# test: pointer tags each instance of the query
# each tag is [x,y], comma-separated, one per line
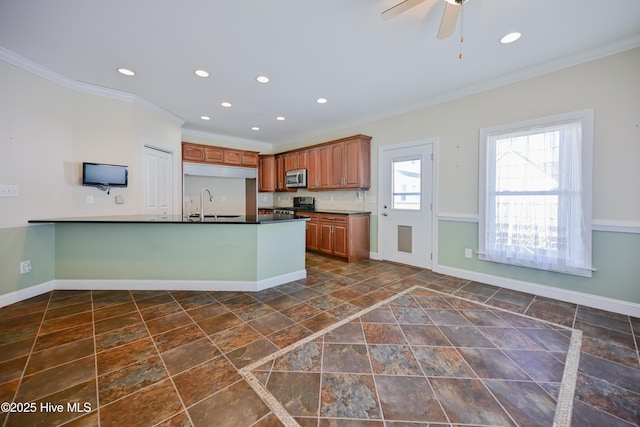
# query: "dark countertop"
[173,219]
[324,211]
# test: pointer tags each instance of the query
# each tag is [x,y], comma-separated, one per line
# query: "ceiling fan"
[449,18]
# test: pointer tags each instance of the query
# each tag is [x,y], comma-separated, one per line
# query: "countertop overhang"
[173,219]
[320,210]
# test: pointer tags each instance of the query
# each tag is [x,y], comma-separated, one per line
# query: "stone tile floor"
[174,358]
[421,357]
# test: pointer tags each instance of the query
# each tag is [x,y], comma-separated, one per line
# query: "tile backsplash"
[339,200]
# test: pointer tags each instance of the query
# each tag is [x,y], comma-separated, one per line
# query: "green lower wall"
[34,243]
[225,252]
[615,256]
[281,247]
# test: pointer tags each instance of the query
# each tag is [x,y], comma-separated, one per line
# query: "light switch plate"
[9,190]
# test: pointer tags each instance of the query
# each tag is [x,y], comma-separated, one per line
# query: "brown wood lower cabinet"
[345,236]
[313,228]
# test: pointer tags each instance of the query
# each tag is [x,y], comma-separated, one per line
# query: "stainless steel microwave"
[296,178]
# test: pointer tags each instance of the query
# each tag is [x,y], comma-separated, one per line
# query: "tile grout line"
[95,355]
[564,403]
[264,394]
[35,340]
[413,353]
[184,407]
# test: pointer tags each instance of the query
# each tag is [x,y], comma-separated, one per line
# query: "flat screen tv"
[101,175]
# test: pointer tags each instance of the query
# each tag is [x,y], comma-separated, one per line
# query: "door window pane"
[406,184]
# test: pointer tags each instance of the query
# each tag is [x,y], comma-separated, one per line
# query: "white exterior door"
[158,181]
[406,204]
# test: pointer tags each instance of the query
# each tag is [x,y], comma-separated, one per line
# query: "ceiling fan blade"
[402,7]
[449,20]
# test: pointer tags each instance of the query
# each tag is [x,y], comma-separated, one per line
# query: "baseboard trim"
[581,298]
[150,285]
[26,293]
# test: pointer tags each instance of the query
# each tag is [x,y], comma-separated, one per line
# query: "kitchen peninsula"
[236,253]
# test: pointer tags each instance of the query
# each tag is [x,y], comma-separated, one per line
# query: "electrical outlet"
[468,253]
[89,200]
[25,267]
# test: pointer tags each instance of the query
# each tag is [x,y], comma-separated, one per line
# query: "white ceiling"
[341,50]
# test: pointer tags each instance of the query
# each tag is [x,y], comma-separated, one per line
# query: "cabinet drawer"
[333,218]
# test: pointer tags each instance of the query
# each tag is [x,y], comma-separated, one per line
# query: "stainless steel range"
[299,204]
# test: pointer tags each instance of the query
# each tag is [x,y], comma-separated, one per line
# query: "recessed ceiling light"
[126,72]
[321,100]
[281,118]
[262,79]
[225,104]
[205,117]
[201,73]
[255,128]
[510,38]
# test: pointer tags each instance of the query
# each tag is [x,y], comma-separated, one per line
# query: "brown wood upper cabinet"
[337,165]
[296,160]
[200,153]
[343,164]
[192,152]
[240,158]
[347,163]
[267,174]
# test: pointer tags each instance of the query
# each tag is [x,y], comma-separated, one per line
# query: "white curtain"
[534,199]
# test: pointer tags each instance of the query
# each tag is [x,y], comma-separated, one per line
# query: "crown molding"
[82,87]
[530,72]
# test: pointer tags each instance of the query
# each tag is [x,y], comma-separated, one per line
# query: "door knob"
[384,214]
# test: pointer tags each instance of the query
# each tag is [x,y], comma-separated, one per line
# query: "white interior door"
[158,181]
[406,204]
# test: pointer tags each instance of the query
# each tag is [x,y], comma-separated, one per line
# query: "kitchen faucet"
[202,202]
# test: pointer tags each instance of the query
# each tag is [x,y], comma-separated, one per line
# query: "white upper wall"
[609,85]
[48,130]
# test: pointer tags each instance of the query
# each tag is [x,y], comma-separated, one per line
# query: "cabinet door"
[312,235]
[232,157]
[192,152]
[303,162]
[337,165]
[325,167]
[290,161]
[340,240]
[267,174]
[280,173]
[250,159]
[354,167]
[213,154]
[326,237]
[313,169]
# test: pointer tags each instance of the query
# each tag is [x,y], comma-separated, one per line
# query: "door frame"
[434,142]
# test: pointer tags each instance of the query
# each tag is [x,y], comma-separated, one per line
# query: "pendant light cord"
[461,27]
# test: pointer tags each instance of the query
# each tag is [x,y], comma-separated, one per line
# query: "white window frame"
[487,177]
